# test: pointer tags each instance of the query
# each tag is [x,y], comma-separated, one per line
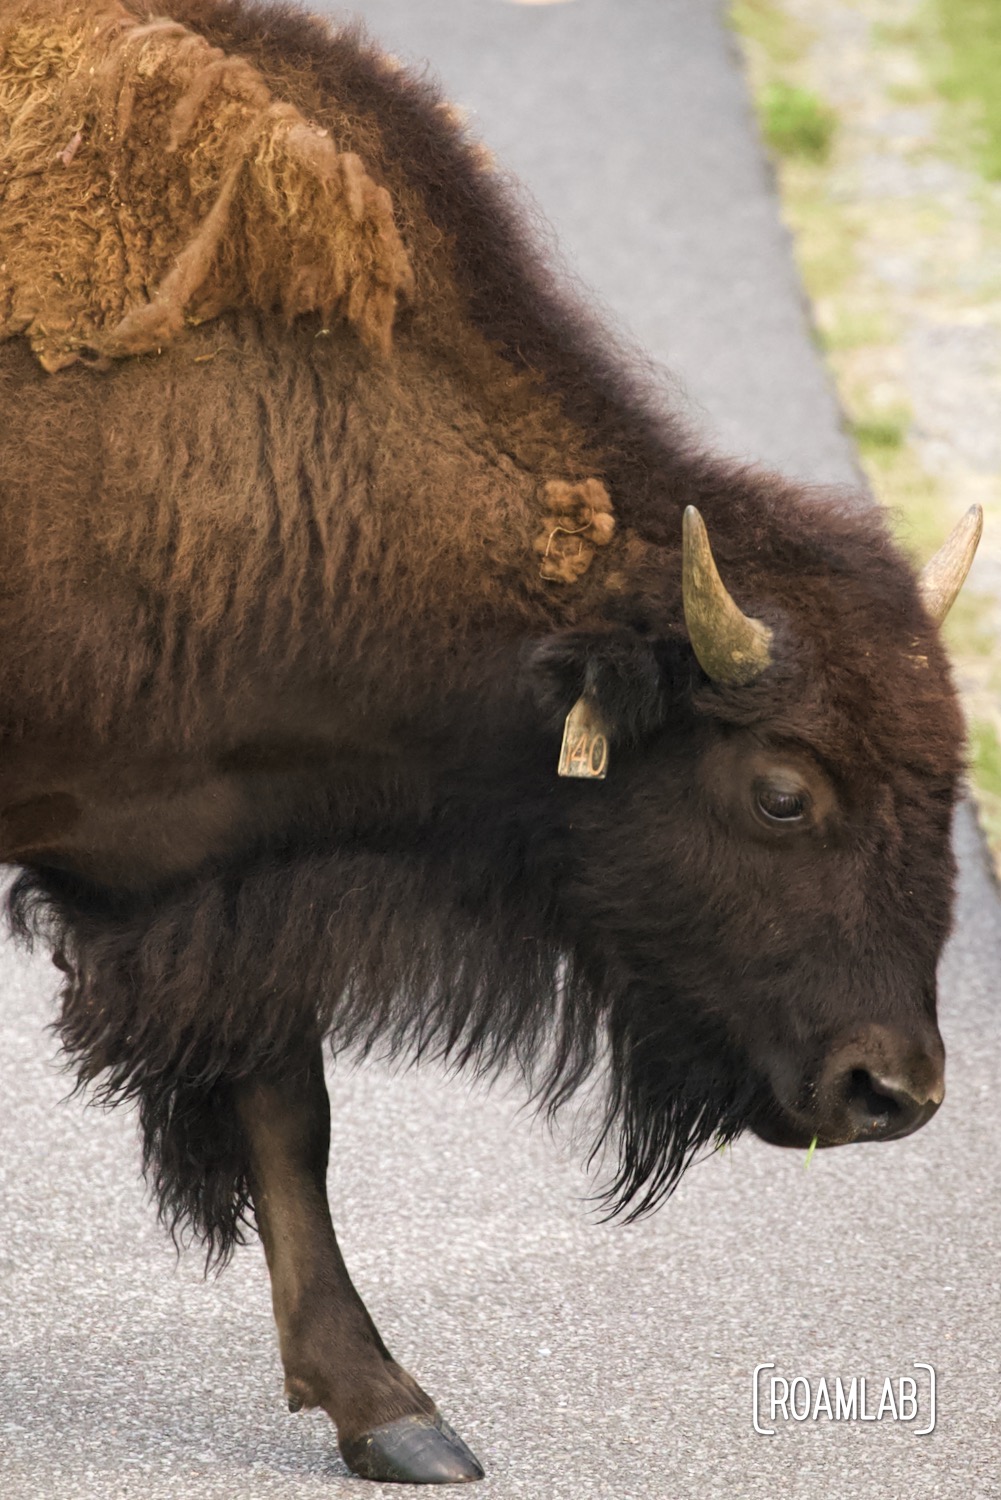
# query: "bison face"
[766,872]
[843,965]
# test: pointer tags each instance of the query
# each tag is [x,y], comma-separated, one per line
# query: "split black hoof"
[412,1450]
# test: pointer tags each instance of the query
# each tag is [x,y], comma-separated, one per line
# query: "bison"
[384,665]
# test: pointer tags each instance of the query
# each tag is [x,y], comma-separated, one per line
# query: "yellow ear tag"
[584,752]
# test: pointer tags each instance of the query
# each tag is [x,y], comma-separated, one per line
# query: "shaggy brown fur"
[149,180]
[580,519]
[281,686]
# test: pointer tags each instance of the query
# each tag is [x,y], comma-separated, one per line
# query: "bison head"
[765,877]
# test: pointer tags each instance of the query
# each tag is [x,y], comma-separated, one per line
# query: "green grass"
[855,328]
[971,75]
[763,23]
[825,238]
[909,32]
[796,122]
[909,94]
[985,764]
[881,433]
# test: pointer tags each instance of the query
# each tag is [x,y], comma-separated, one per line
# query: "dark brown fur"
[282,684]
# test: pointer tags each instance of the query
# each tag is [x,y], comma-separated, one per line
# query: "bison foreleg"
[387,1427]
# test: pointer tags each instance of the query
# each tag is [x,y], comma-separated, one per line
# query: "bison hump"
[149,180]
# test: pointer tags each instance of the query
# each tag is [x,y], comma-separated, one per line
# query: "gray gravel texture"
[581,1362]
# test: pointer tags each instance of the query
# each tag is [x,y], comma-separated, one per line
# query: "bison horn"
[731,647]
[943,575]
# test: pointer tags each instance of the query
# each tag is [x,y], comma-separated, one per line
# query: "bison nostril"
[864,1092]
[881,1106]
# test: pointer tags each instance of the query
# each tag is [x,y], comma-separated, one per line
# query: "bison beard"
[171,1003]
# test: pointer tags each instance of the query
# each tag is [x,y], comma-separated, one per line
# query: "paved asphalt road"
[579,1361]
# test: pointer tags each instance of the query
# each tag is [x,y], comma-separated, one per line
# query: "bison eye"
[780,802]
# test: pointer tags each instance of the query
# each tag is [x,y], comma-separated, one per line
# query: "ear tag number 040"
[584,752]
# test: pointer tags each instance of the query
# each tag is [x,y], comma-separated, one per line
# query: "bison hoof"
[412,1450]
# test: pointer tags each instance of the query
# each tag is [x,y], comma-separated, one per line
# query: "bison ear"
[616,672]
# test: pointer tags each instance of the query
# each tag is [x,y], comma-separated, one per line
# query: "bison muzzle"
[334,531]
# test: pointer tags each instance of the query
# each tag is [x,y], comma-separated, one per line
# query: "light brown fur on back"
[149,180]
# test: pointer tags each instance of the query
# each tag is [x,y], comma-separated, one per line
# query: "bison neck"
[280,586]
